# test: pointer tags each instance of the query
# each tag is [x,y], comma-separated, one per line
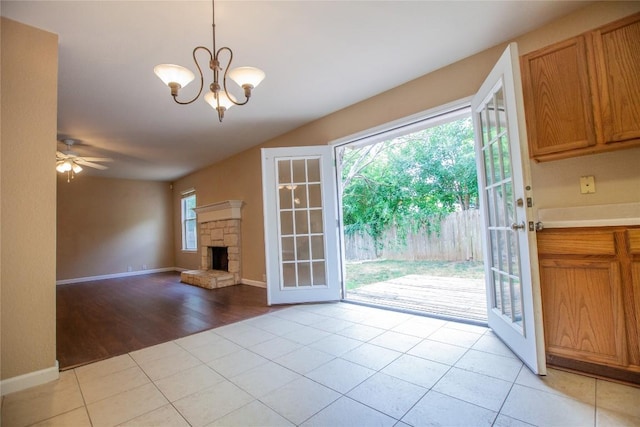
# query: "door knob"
[516,226]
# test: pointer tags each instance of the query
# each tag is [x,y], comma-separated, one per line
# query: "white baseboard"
[249,282]
[255,283]
[32,379]
[116,275]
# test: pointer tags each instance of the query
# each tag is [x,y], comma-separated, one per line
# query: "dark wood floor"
[105,318]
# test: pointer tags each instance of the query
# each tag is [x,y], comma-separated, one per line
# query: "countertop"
[590,216]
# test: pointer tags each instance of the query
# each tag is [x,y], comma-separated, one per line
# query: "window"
[189,224]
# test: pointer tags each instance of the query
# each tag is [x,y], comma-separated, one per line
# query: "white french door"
[300,222]
[511,270]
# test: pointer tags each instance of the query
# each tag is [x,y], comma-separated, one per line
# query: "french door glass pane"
[301,226]
[302,222]
[287,249]
[318,272]
[286,200]
[315,196]
[299,170]
[302,248]
[304,274]
[315,217]
[498,188]
[286,223]
[289,275]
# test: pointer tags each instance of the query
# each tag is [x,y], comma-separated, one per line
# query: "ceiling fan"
[71,163]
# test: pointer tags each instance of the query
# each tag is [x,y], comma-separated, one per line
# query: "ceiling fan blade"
[96,159]
[90,164]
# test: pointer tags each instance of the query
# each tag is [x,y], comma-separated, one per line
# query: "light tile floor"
[324,365]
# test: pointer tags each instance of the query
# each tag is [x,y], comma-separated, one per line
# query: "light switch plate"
[587,184]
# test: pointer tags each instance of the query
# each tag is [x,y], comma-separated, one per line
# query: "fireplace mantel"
[229,209]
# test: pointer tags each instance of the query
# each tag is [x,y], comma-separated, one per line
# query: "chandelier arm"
[175,97]
[224,77]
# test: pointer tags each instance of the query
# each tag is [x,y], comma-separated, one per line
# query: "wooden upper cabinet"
[617,57]
[582,95]
[558,100]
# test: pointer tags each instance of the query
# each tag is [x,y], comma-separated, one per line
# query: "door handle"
[516,226]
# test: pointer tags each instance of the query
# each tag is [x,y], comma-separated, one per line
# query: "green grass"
[366,272]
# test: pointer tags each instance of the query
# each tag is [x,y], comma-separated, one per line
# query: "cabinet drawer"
[634,241]
[576,243]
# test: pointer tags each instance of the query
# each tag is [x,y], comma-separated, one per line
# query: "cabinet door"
[558,98]
[583,310]
[617,54]
[633,237]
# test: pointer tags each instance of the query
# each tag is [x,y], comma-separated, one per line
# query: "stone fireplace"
[219,242]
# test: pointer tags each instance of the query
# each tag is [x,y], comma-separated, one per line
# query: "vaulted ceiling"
[319,57]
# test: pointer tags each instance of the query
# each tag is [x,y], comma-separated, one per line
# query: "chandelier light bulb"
[226,102]
[247,76]
[171,73]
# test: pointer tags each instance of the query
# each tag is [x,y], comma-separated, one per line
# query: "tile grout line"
[513,383]
[84,401]
[158,389]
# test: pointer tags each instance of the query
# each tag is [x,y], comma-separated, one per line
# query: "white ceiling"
[319,57]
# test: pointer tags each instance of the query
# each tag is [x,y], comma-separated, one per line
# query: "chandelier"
[177,77]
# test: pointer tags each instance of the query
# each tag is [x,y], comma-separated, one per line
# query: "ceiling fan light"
[225,102]
[171,73]
[244,76]
[77,168]
[60,167]
[67,165]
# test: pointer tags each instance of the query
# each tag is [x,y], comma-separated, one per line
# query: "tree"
[409,181]
[445,163]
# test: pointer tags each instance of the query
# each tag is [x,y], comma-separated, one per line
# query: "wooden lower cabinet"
[590,285]
[583,310]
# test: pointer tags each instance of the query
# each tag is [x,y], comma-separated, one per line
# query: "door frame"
[416,122]
[412,123]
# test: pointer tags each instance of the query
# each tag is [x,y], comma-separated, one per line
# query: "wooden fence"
[459,240]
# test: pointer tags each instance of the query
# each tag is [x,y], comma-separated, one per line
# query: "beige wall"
[239,177]
[28,200]
[106,226]
[234,179]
